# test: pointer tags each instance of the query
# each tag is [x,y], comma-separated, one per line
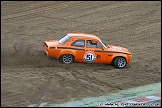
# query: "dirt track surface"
[29,77]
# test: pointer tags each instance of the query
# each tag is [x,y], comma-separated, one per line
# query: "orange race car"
[82,47]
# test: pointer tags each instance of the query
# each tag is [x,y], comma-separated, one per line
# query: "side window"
[98,45]
[78,43]
[92,44]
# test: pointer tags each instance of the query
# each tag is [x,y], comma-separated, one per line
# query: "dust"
[21,55]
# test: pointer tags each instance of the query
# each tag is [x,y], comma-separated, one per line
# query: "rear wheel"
[120,62]
[67,58]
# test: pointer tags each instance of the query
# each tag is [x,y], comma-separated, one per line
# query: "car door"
[94,52]
[79,47]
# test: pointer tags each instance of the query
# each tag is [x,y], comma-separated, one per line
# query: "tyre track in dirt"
[127,13]
[92,80]
[98,10]
[35,12]
[26,6]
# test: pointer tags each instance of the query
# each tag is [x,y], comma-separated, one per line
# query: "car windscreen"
[103,43]
[64,39]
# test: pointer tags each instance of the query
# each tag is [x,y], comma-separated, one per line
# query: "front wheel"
[67,58]
[120,62]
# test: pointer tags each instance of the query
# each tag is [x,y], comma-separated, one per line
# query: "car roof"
[82,35]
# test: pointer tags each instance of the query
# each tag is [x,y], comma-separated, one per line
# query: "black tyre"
[67,58]
[120,62]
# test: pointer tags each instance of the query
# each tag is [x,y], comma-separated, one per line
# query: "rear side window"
[64,39]
[78,43]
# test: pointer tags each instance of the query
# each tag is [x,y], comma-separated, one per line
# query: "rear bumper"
[45,49]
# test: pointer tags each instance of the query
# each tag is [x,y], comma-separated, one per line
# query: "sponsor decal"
[115,47]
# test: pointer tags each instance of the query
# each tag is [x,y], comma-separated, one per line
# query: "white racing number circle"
[89,57]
